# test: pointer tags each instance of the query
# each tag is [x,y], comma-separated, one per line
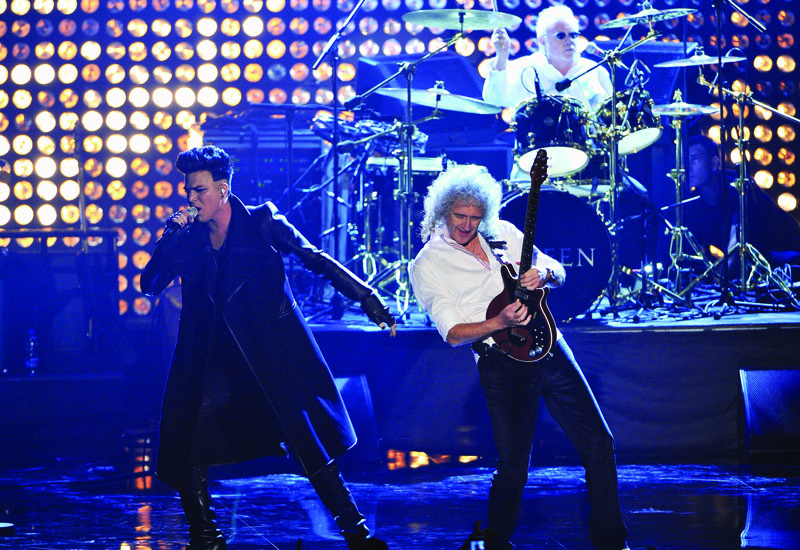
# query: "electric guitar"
[533,341]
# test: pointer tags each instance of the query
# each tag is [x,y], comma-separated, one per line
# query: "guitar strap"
[498,249]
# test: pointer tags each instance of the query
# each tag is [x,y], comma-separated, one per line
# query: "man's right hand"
[182,217]
[502,48]
[514,314]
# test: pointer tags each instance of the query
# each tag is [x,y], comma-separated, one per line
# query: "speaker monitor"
[65,297]
[772,410]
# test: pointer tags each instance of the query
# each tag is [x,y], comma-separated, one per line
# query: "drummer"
[510,82]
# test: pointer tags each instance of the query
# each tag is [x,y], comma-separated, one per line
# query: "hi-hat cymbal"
[436,97]
[456,20]
[646,16]
[679,108]
[697,60]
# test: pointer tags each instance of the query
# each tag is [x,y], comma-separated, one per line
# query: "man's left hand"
[379,313]
[533,278]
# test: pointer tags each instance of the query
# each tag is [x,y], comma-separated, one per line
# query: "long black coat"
[291,378]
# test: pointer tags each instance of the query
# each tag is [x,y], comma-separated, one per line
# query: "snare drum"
[557,124]
[639,127]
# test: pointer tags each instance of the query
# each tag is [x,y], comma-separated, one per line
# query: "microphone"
[174,227]
[538,86]
[594,49]
[562,85]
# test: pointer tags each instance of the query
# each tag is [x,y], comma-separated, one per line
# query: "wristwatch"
[549,276]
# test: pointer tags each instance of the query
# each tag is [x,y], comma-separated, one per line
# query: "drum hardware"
[647,15]
[640,126]
[679,233]
[439,98]
[612,58]
[331,46]
[759,268]
[617,132]
[681,109]
[394,280]
[698,59]
[462,19]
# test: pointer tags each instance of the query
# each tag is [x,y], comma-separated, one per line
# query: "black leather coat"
[278,348]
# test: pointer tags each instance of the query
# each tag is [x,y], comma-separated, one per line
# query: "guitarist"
[455,277]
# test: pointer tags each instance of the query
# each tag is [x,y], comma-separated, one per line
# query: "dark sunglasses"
[562,35]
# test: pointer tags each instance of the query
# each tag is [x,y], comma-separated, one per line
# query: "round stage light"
[69,190]
[69,167]
[116,167]
[44,74]
[787,202]
[70,214]
[45,167]
[5,215]
[46,190]
[46,214]
[185,97]
[22,144]
[23,214]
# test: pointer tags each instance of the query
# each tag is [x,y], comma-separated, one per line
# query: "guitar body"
[524,343]
[531,342]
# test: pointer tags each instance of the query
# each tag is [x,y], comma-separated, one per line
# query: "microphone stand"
[612,58]
[726,297]
[743,248]
[396,273]
[332,45]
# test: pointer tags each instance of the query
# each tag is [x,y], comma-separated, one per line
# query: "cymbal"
[436,97]
[647,16]
[456,20]
[697,60]
[679,108]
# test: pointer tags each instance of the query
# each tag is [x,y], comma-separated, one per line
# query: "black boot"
[203,532]
[336,497]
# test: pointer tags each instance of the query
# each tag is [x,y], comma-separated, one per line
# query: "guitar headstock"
[539,169]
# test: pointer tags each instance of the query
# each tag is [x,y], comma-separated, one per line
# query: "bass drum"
[569,230]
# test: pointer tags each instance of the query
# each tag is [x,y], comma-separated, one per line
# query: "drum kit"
[577,141]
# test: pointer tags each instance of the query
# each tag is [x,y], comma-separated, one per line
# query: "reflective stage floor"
[73,505]
[671,392]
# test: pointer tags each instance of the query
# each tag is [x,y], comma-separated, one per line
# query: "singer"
[508,83]
[247,379]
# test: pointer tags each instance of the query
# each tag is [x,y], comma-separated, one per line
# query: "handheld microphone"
[594,49]
[174,227]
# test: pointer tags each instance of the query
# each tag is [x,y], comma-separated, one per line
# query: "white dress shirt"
[516,83]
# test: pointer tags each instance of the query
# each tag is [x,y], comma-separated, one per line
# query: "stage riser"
[666,394]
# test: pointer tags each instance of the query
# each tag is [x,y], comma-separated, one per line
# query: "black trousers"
[512,392]
[223,386]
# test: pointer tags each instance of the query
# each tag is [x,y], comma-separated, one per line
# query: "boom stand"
[758,268]
[395,274]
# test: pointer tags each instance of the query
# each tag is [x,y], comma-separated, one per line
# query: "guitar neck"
[538,175]
[529,231]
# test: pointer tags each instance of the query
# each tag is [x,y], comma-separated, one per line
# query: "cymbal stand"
[613,58]
[680,234]
[395,274]
[759,267]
